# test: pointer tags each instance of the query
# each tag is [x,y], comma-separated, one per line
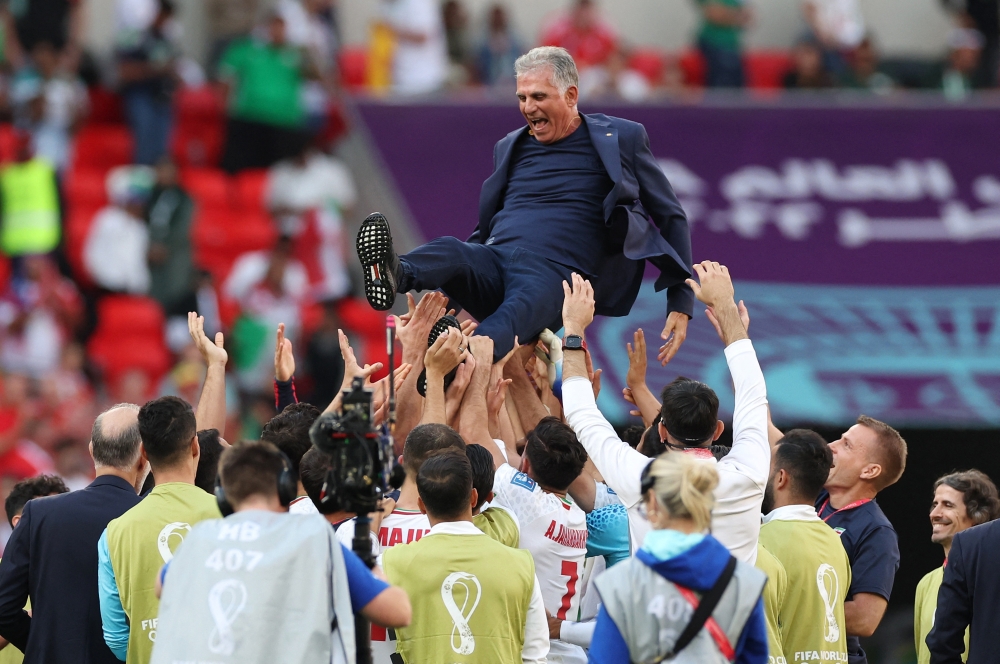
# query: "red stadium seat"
[105,106]
[4,273]
[86,187]
[354,67]
[200,128]
[650,63]
[692,64]
[251,187]
[210,187]
[129,336]
[8,143]
[102,146]
[766,70]
[78,223]
[219,237]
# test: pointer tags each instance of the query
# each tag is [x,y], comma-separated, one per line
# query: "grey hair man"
[51,557]
[591,181]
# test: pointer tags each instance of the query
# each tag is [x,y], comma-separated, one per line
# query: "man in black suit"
[51,556]
[968,598]
[569,193]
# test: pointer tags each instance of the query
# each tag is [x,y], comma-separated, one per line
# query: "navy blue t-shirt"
[871,545]
[554,201]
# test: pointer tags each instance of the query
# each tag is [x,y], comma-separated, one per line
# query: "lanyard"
[856,503]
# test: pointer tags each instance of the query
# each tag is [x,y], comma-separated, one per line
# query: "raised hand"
[352,369]
[674,333]
[413,328]
[212,353]
[744,318]
[578,305]
[284,361]
[714,286]
[636,360]
[496,396]
[447,353]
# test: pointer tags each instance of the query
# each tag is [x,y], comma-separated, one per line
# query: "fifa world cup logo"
[829,591]
[468,587]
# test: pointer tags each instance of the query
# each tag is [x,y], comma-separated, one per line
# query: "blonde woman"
[651,602]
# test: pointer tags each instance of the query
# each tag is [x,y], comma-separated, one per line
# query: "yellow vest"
[813,629]
[30,208]
[774,595]
[470,597]
[500,525]
[140,542]
[924,607]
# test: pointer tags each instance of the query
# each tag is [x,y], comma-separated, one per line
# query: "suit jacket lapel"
[496,183]
[605,140]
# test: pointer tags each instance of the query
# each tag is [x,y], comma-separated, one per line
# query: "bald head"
[115,438]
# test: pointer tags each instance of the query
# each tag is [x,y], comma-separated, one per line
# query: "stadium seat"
[102,146]
[8,143]
[219,237]
[105,106]
[202,102]
[765,70]
[4,273]
[648,62]
[129,336]
[692,64]
[251,187]
[200,127]
[354,67]
[86,187]
[209,187]
[78,223]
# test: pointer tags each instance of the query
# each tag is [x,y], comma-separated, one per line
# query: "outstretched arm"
[446,354]
[412,330]
[284,371]
[636,390]
[211,411]
[620,465]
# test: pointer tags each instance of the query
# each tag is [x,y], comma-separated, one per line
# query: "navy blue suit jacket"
[641,194]
[52,557]
[969,595]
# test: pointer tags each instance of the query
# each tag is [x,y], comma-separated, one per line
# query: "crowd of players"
[526,528]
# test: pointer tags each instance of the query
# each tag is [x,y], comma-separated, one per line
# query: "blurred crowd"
[418,46]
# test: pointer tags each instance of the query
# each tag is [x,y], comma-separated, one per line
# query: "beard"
[768,503]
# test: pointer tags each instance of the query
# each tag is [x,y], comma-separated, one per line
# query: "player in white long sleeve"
[688,421]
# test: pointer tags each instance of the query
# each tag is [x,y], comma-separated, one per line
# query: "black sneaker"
[444,323]
[380,264]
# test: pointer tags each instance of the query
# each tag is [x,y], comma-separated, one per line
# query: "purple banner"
[864,241]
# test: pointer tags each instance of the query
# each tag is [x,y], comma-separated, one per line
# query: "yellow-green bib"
[140,542]
[470,597]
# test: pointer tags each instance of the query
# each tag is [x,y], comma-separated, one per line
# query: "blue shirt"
[554,203]
[870,542]
[607,534]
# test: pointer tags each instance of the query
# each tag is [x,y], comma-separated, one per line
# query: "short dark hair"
[426,440]
[250,468]
[166,426]
[556,456]
[445,484]
[978,492]
[289,431]
[651,445]
[806,457]
[33,487]
[208,462]
[313,469]
[889,451]
[120,449]
[633,435]
[483,471]
[690,411]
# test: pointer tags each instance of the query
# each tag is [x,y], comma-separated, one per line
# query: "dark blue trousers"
[509,290]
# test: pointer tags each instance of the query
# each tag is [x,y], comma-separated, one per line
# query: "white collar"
[792,513]
[455,528]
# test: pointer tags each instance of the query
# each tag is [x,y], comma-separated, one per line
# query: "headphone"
[288,487]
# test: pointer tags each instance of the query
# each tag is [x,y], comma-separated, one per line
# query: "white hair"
[564,74]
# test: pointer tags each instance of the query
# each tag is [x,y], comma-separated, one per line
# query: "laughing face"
[949,515]
[550,114]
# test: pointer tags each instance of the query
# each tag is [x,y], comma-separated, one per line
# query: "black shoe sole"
[444,323]
[374,245]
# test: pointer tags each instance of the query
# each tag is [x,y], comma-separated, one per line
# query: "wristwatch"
[574,342]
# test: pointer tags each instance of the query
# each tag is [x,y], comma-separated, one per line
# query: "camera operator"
[262,586]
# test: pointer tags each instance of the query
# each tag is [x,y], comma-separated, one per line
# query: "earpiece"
[288,487]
